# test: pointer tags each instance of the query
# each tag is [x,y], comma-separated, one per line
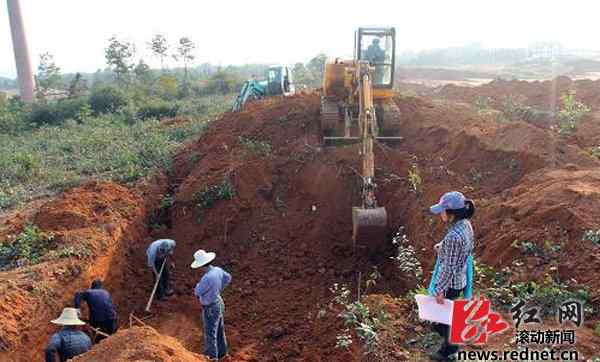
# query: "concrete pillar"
[24,71]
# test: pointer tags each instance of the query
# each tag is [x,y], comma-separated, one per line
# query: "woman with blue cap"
[453,273]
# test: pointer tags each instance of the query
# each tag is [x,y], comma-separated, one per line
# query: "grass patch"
[27,248]
[207,198]
[592,236]
[260,148]
[79,252]
[117,147]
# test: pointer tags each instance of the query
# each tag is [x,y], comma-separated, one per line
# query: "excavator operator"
[375,55]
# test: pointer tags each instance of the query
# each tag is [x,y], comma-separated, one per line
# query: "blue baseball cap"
[450,201]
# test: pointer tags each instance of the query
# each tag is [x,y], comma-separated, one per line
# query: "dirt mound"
[140,344]
[95,204]
[544,94]
[550,206]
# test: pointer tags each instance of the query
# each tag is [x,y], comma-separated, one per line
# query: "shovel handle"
[155,285]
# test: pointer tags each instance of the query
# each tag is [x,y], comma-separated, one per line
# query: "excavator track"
[389,118]
[331,117]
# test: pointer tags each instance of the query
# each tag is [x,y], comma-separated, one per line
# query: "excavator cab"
[378,47]
[277,81]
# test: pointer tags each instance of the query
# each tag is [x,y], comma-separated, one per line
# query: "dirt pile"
[544,94]
[140,344]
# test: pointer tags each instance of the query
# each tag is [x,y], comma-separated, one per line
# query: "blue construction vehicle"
[278,81]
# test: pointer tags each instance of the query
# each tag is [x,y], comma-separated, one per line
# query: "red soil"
[285,235]
[140,344]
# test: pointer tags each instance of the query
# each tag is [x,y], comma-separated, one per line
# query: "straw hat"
[69,317]
[201,258]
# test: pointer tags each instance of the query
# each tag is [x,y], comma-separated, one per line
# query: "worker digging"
[208,291]
[102,313]
[158,253]
[69,341]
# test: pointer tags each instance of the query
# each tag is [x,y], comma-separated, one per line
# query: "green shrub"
[514,110]
[157,109]
[207,198]
[107,99]
[12,117]
[260,148]
[572,112]
[547,295]
[415,180]
[57,112]
[406,258]
[358,318]
[592,236]
[28,247]
[201,107]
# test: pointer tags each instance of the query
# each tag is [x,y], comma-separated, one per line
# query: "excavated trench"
[276,208]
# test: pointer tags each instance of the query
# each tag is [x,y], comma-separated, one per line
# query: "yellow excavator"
[357,107]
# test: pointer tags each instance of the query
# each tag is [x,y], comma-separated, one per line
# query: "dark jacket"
[68,343]
[100,304]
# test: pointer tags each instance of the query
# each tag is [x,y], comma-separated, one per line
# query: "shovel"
[155,286]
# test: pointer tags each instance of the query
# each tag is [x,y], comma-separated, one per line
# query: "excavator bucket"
[369,226]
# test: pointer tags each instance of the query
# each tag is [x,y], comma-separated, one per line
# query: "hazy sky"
[283,31]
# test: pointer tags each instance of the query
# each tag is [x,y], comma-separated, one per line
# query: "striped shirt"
[457,245]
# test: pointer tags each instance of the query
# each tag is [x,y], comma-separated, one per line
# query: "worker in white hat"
[69,341]
[208,291]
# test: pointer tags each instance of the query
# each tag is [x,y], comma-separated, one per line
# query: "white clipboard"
[430,310]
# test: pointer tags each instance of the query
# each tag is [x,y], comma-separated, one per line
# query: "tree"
[160,48]
[185,53]
[300,74]
[143,73]
[48,75]
[118,56]
[78,86]
[167,86]
[316,67]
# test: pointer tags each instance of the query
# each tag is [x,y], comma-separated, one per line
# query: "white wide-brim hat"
[69,317]
[201,258]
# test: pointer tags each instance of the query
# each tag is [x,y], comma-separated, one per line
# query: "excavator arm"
[369,221]
[251,90]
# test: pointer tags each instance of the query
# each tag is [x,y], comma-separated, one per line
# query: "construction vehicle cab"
[277,80]
[378,47]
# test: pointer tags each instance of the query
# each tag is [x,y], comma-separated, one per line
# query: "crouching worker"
[208,291]
[69,341]
[158,253]
[102,311]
